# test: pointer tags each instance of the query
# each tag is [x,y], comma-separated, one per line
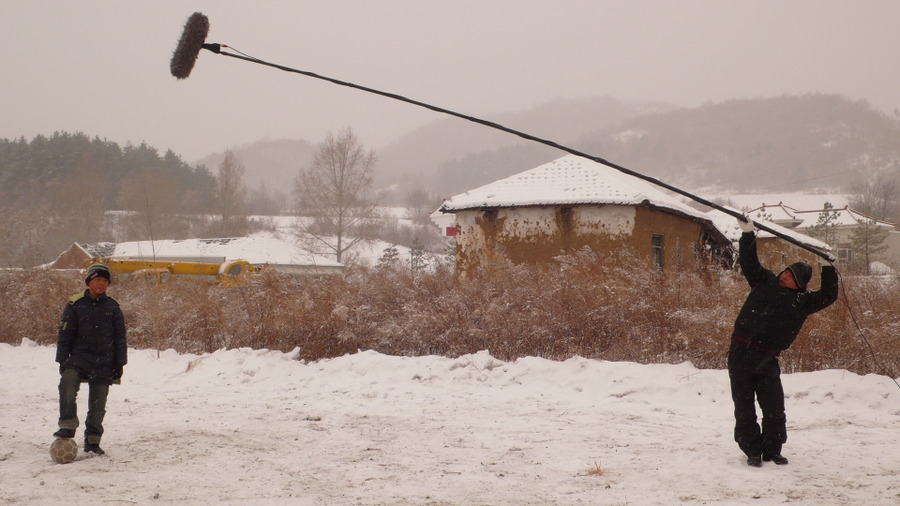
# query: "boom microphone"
[189,45]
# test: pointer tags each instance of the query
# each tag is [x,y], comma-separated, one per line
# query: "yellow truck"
[229,272]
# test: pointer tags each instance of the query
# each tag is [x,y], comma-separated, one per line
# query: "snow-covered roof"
[844,217]
[97,249]
[261,249]
[569,180]
[778,213]
[794,200]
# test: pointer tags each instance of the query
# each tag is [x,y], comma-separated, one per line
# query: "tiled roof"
[98,249]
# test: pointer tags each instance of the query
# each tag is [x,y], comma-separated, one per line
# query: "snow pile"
[259,427]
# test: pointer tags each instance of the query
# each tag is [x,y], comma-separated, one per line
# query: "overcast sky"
[102,67]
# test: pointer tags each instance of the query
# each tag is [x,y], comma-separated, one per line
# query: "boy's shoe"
[93,448]
[755,460]
[777,459]
[64,433]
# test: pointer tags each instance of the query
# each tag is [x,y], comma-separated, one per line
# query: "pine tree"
[389,258]
[450,251]
[867,241]
[826,228]
[418,258]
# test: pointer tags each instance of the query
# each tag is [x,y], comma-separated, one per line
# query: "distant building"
[79,255]
[844,222]
[573,202]
[259,251]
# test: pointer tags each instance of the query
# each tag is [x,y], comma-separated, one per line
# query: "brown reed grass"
[582,305]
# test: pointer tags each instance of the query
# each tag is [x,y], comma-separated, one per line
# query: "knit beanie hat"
[802,273]
[97,270]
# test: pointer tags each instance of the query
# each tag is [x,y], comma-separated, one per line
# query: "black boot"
[64,433]
[93,448]
[777,459]
[754,460]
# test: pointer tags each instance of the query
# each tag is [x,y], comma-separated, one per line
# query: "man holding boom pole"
[767,324]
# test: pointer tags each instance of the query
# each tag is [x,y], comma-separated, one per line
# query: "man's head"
[801,272]
[97,279]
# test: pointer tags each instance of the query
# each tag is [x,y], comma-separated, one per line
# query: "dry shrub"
[860,332]
[283,312]
[33,301]
[596,470]
[595,307]
[181,315]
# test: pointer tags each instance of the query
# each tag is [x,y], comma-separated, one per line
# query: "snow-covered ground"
[259,427]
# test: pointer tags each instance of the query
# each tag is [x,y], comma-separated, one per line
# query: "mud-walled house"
[571,203]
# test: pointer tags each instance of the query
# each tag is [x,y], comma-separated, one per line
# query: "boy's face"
[98,286]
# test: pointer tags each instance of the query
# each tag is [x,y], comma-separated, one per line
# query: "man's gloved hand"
[117,374]
[62,369]
[829,259]
[746,226]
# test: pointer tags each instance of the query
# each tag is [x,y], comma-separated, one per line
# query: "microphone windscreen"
[189,45]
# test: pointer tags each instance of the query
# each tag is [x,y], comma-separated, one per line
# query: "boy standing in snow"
[767,324]
[90,348]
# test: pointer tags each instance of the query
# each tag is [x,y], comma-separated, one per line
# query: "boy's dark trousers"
[69,384]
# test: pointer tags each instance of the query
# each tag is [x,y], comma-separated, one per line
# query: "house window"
[657,251]
[843,253]
[565,219]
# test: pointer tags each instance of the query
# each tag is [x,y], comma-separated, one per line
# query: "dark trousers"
[69,384]
[756,377]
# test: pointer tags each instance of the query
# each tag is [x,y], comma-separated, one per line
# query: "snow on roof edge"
[568,180]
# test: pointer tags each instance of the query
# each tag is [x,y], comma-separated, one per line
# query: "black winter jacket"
[91,337]
[772,315]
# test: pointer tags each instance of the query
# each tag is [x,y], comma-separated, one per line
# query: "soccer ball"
[63,450]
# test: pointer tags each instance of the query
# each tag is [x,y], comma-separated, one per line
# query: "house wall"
[537,234]
[891,256]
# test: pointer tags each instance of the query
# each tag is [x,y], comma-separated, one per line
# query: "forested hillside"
[54,191]
[789,143]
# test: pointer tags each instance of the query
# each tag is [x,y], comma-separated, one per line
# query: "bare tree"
[335,192]
[420,204]
[231,196]
[154,200]
[878,197]
[266,201]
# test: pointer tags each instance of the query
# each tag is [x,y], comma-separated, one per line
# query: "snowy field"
[258,427]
